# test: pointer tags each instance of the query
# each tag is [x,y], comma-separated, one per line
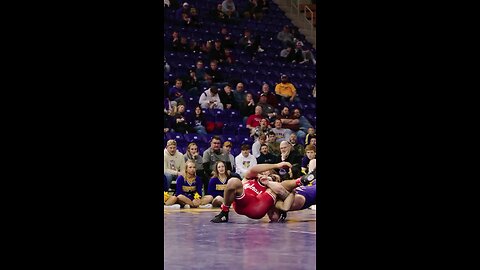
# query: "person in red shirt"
[255,195]
[253,120]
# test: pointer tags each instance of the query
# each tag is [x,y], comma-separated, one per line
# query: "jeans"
[304,123]
[200,130]
[170,178]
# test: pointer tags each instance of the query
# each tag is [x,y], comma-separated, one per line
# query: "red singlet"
[255,201]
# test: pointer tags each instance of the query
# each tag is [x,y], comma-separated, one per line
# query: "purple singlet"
[310,194]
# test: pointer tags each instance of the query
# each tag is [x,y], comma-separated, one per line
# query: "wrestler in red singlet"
[255,200]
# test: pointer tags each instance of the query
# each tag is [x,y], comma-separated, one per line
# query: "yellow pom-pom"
[196,196]
[165,196]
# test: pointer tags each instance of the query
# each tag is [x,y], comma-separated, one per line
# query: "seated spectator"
[200,70]
[298,148]
[229,57]
[273,145]
[303,56]
[271,97]
[310,153]
[193,155]
[217,184]
[250,44]
[207,82]
[228,8]
[247,107]
[195,17]
[175,41]
[310,132]
[253,10]
[187,21]
[176,93]
[265,156]
[268,111]
[183,46]
[282,134]
[216,74]
[173,162]
[263,128]
[285,36]
[244,161]
[256,145]
[213,154]
[288,54]
[180,123]
[303,121]
[218,52]
[184,9]
[286,90]
[239,94]
[227,98]
[253,120]
[313,141]
[198,122]
[210,99]
[227,41]
[207,47]
[227,147]
[191,83]
[287,155]
[218,14]
[189,189]
[291,122]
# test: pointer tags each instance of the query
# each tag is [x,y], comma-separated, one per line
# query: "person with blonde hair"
[189,188]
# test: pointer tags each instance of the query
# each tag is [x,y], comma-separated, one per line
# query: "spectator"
[250,44]
[287,155]
[285,36]
[218,14]
[207,82]
[298,148]
[200,70]
[213,154]
[281,134]
[247,107]
[229,58]
[180,123]
[304,56]
[273,145]
[227,41]
[254,119]
[288,54]
[268,111]
[195,17]
[191,83]
[183,46]
[187,20]
[313,141]
[217,184]
[286,90]
[227,147]
[198,121]
[207,47]
[176,93]
[216,74]
[244,160]
[175,41]
[218,52]
[310,132]
[167,123]
[256,145]
[303,121]
[308,156]
[193,155]
[210,99]
[228,8]
[253,10]
[263,128]
[291,122]
[239,93]
[184,9]
[189,186]
[271,98]
[173,162]
[266,156]
[227,98]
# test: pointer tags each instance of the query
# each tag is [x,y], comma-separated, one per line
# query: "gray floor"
[191,241]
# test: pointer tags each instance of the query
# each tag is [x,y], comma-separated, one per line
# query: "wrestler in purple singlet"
[310,194]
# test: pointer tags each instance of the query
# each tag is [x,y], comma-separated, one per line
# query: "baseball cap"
[227,143]
[185,4]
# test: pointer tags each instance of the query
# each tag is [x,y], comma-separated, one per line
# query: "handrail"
[310,22]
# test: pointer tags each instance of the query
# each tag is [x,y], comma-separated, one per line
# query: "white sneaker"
[313,207]
[260,49]
[208,205]
[173,206]
[186,206]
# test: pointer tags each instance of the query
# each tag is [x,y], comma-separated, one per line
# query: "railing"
[310,22]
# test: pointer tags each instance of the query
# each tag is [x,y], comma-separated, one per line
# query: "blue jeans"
[200,130]
[304,123]
[170,178]
[301,135]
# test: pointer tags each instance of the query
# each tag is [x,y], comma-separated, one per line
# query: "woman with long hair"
[217,184]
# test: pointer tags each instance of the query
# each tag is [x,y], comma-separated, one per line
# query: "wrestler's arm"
[287,203]
[259,168]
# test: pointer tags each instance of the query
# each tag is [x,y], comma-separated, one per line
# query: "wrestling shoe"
[313,207]
[283,216]
[173,206]
[186,206]
[220,218]
[208,205]
[306,179]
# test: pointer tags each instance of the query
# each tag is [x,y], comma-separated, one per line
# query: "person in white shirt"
[173,162]
[256,146]
[244,160]
[210,99]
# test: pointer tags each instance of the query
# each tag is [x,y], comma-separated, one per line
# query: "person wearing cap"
[244,160]
[227,147]
[173,162]
[268,111]
[285,36]
[286,90]
[185,8]
[210,99]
